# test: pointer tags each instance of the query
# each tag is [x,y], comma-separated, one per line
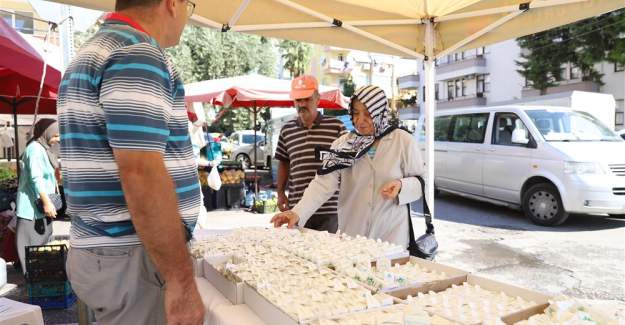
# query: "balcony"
[333,66]
[408,82]
[465,67]
[465,101]
[565,86]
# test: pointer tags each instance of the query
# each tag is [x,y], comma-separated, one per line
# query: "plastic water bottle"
[3,272]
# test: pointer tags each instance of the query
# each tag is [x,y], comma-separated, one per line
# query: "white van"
[550,161]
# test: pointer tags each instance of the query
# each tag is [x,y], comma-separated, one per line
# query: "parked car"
[243,148]
[622,133]
[549,161]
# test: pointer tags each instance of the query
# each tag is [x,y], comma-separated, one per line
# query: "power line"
[587,23]
[577,36]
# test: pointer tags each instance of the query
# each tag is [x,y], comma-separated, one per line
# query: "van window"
[441,128]
[505,125]
[570,126]
[469,128]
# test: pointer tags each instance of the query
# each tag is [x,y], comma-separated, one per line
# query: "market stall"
[283,276]
[255,92]
[28,84]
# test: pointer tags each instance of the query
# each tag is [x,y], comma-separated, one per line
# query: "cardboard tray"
[541,300]
[456,276]
[264,309]
[233,291]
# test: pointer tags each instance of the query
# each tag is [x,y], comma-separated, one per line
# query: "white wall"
[505,82]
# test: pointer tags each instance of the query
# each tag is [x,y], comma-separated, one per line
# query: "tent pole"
[255,158]
[16,143]
[430,106]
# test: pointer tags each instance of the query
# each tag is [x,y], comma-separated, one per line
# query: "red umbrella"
[21,71]
[255,90]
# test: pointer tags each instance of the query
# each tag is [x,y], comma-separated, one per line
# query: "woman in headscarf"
[374,167]
[37,181]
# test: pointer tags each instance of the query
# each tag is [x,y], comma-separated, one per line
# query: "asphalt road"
[584,258]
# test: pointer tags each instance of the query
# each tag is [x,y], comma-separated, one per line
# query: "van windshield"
[570,126]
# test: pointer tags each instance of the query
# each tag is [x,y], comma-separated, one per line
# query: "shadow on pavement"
[462,210]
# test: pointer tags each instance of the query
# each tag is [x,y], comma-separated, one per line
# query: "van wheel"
[543,206]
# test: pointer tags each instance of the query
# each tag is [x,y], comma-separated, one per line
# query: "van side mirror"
[519,137]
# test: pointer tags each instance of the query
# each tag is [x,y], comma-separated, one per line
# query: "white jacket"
[362,210]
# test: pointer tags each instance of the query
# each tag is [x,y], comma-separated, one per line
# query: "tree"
[205,54]
[582,44]
[541,63]
[296,56]
[81,37]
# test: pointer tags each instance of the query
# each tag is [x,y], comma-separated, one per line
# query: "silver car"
[245,154]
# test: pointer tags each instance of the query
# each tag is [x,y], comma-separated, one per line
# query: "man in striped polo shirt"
[129,173]
[296,152]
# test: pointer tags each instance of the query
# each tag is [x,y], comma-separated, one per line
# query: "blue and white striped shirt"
[120,92]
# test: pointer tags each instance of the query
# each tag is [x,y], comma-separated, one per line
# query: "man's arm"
[282,155]
[283,177]
[153,205]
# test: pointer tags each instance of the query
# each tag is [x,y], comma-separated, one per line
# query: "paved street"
[585,257]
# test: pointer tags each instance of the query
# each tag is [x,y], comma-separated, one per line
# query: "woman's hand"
[48,208]
[289,218]
[391,189]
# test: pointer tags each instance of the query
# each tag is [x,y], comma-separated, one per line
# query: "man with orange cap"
[298,141]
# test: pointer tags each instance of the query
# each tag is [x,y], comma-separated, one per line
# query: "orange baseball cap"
[303,87]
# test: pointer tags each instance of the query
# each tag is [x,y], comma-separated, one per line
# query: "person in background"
[130,177]
[374,167]
[296,153]
[37,181]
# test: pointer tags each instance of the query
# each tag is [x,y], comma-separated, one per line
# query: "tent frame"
[430,42]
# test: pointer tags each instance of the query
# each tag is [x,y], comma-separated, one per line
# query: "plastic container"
[49,289]
[46,263]
[58,302]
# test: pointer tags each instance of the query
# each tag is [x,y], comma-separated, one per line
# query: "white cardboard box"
[455,276]
[233,291]
[541,300]
[264,309]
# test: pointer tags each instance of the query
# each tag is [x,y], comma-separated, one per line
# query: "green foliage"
[204,54]
[296,56]
[583,44]
[6,174]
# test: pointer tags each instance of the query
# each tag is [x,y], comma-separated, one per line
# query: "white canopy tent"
[420,29]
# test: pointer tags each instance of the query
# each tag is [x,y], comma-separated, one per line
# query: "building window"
[458,91]
[436,91]
[20,20]
[456,56]
[480,84]
[464,87]
[450,90]
[480,51]
[619,118]
[341,57]
[576,72]
[618,67]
